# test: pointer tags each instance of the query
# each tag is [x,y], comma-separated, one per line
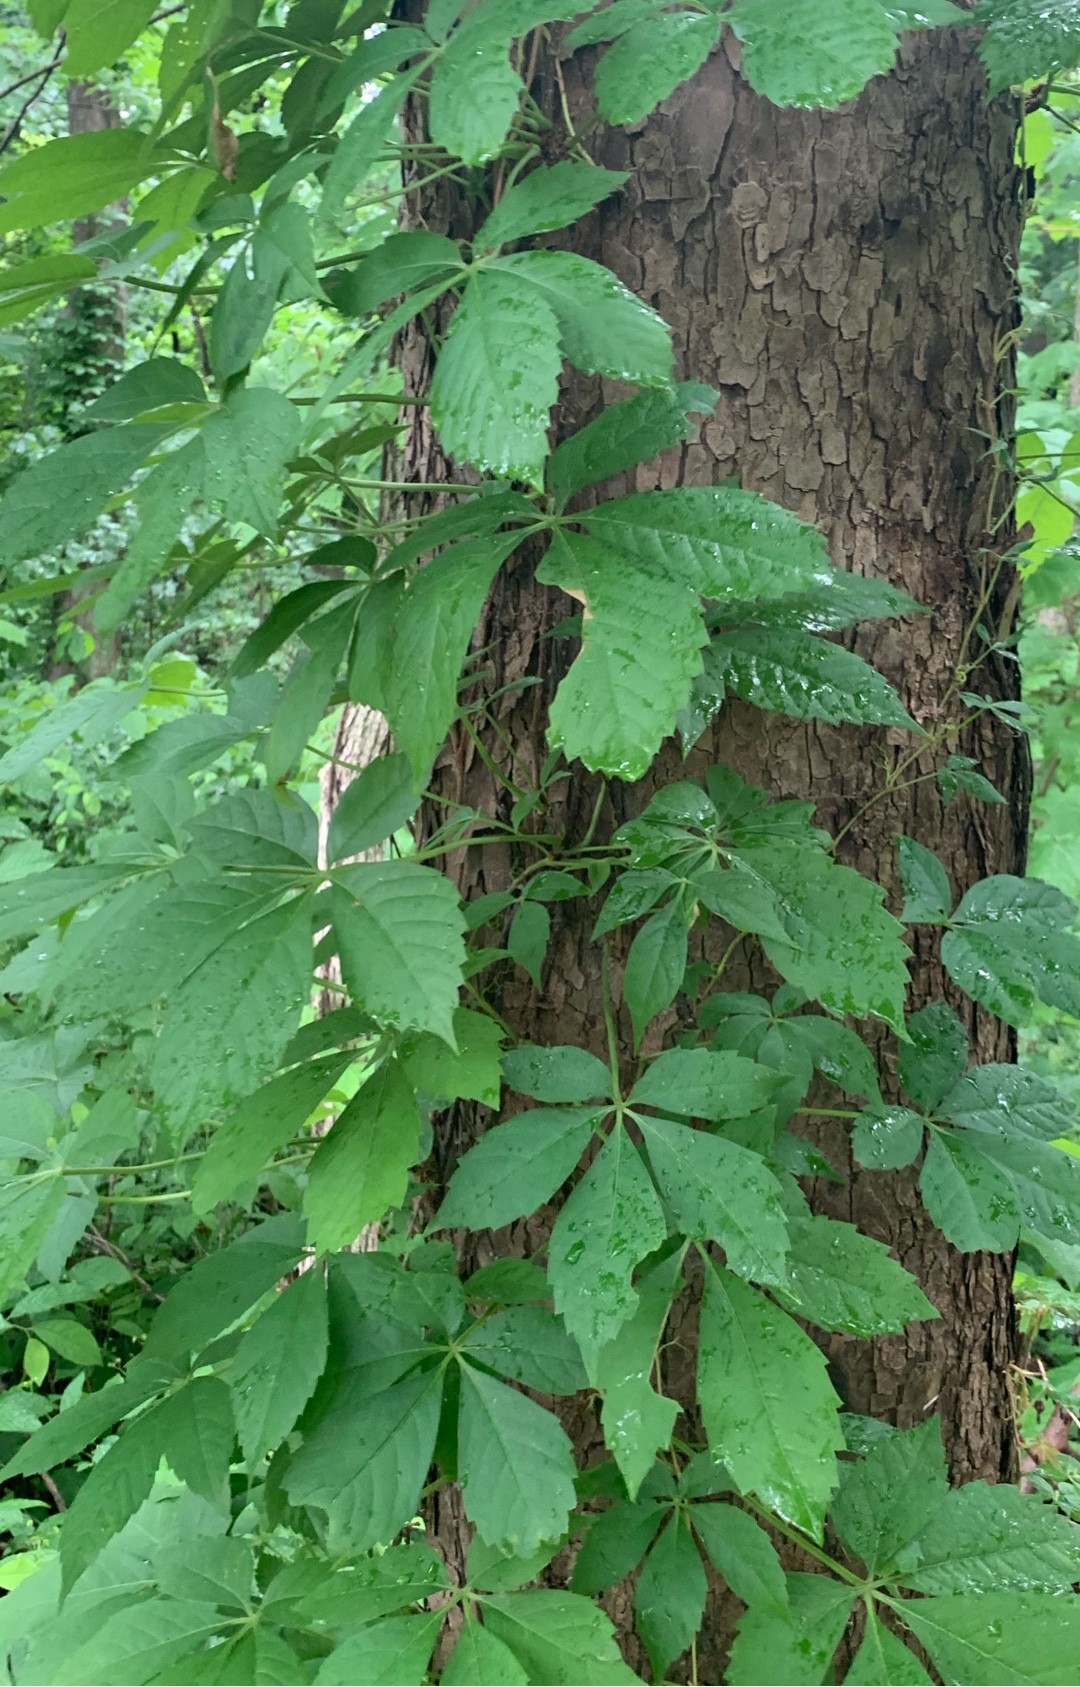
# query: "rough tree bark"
[846,281]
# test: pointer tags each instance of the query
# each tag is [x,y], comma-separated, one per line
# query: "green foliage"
[251,1423]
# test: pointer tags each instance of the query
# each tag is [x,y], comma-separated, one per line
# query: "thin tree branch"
[43,75]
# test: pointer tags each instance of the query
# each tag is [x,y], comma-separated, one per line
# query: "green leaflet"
[516,1167]
[795,1646]
[481,1659]
[529,1344]
[192,1429]
[655,966]
[647,63]
[890,1497]
[68,177]
[360,1169]
[994,1638]
[793,673]
[744,1555]
[547,198]
[1025,39]
[928,893]
[57,498]
[396,1649]
[557,1073]
[559,1637]
[398,929]
[840,1279]
[883,1660]
[625,434]
[669,1598]
[497,378]
[1005,946]
[205,1060]
[610,1223]
[219,1289]
[637,1420]
[991,1538]
[886,1138]
[365,1463]
[935,1055]
[604,329]
[518,1465]
[373,806]
[704,1085]
[816,54]
[967,1196]
[277,1365]
[476,90]
[769,1408]
[720,1192]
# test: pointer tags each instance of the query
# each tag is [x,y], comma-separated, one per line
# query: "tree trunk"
[846,280]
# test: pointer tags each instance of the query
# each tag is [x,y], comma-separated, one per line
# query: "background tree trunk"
[846,281]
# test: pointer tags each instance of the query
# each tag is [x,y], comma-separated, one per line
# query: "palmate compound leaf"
[399,934]
[769,1409]
[999,1639]
[360,1170]
[719,1191]
[840,1279]
[1008,947]
[278,1363]
[815,54]
[611,1221]
[516,1465]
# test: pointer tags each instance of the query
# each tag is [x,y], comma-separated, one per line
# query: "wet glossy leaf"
[558,1073]
[399,932]
[705,1085]
[890,1497]
[547,198]
[840,1279]
[1022,1639]
[624,434]
[669,1598]
[719,1191]
[794,673]
[637,1420]
[992,1538]
[531,1345]
[884,1661]
[609,1224]
[814,54]
[887,1138]
[516,1167]
[1007,948]
[1027,38]
[497,377]
[277,1365]
[604,329]
[655,966]
[517,1465]
[969,1198]
[769,1408]
[614,1545]
[648,63]
[927,892]
[795,1646]
[1006,1101]
[935,1056]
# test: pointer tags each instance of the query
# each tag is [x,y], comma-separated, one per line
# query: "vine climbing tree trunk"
[846,281]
